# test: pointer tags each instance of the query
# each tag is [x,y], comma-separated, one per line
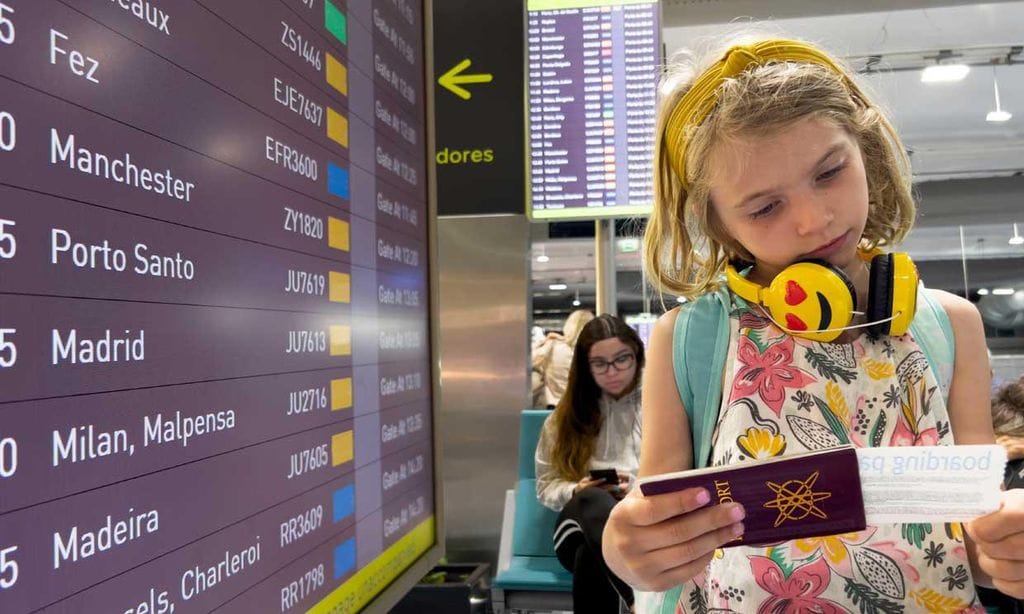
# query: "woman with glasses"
[596,425]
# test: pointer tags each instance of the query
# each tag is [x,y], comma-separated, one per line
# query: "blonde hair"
[574,324]
[685,246]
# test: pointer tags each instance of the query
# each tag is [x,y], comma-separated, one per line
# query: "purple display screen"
[215,363]
[590,107]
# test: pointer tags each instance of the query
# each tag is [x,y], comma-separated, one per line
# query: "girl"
[596,425]
[768,154]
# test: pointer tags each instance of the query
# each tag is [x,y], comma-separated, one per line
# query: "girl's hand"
[655,543]
[999,541]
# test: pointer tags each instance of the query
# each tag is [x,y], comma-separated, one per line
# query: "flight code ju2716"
[307,400]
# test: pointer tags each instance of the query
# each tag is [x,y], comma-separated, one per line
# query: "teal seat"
[529,575]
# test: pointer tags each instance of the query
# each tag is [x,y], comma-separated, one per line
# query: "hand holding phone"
[610,476]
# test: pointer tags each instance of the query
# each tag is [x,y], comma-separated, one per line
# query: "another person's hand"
[621,488]
[1014,446]
[655,543]
[586,482]
[999,540]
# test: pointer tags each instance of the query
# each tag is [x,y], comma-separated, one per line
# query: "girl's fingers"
[711,521]
[699,548]
[641,541]
[647,511]
[1006,522]
[1006,570]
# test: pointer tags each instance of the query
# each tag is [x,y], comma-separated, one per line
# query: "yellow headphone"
[815,300]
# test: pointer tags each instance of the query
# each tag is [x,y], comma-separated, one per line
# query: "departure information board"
[215,371]
[591,81]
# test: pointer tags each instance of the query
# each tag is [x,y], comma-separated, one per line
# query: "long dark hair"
[577,417]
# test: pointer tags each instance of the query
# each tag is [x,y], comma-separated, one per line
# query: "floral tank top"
[784,395]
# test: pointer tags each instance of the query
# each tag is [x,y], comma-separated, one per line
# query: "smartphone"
[609,476]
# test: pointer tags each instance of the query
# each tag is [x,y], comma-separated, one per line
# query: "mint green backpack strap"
[663,602]
[700,345]
[933,332]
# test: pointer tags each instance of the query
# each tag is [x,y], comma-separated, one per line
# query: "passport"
[788,497]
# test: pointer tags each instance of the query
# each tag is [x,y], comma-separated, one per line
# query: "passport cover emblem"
[796,499]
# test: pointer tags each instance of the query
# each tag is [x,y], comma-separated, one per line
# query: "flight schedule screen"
[215,380]
[592,68]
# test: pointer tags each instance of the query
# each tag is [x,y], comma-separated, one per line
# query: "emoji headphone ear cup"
[880,294]
[810,297]
[905,282]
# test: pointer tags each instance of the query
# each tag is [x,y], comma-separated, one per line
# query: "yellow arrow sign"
[451,80]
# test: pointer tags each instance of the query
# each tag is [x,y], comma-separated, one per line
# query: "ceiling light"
[542,258]
[1002,291]
[680,299]
[557,286]
[944,73]
[576,301]
[982,291]
[1016,239]
[999,115]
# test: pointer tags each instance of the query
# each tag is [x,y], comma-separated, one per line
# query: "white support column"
[604,261]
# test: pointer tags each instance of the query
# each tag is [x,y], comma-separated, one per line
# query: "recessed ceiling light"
[998,116]
[576,302]
[1002,291]
[542,258]
[1016,239]
[982,291]
[556,286]
[944,73]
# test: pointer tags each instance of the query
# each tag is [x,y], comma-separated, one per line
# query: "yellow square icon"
[339,287]
[337,127]
[341,393]
[341,448]
[337,75]
[337,234]
[341,340]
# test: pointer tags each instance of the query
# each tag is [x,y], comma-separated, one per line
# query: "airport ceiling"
[969,171]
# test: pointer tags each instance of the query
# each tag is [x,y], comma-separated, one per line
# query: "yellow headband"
[702,97]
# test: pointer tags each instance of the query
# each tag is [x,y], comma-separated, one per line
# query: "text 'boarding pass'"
[930,483]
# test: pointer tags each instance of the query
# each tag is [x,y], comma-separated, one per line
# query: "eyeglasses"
[621,363]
